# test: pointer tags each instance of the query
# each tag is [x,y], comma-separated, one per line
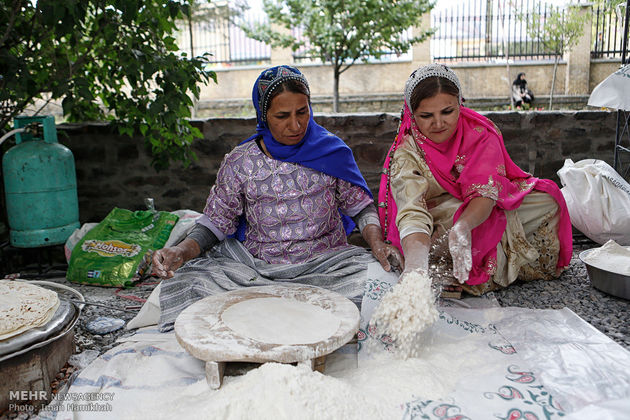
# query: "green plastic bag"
[118,251]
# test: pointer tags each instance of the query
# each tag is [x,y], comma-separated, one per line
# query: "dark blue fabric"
[319,149]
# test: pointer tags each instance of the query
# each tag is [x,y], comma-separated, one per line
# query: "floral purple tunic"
[291,210]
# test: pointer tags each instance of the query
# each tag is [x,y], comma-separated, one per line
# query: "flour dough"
[24,306]
[610,257]
[280,321]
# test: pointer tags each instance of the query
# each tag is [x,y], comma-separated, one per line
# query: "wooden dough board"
[201,331]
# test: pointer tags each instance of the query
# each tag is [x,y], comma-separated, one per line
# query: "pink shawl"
[473,163]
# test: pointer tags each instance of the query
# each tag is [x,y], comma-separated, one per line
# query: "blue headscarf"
[319,149]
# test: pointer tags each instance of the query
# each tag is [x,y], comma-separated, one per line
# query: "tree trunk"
[193,110]
[506,49]
[336,90]
[190,33]
[553,82]
[488,39]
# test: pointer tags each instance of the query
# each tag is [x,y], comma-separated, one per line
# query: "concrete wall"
[115,171]
[379,87]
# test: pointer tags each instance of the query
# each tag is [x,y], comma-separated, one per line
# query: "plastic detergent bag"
[598,199]
[118,251]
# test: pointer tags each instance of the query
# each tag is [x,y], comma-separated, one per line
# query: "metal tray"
[612,283]
[60,320]
[62,323]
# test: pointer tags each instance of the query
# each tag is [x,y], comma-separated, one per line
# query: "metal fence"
[223,38]
[490,30]
[471,30]
[482,30]
[608,25]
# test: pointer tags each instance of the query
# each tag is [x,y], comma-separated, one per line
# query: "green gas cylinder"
[40,186]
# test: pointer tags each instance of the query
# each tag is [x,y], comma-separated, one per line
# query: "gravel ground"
[573,290]
[609,314]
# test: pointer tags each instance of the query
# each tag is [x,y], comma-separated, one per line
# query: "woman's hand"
[459,237]
[416,248]
[388,255]
[167,260]
[459,244]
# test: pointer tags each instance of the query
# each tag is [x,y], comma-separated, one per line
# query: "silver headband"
[430,70]
[269,81]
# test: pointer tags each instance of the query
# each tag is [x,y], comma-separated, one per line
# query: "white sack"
[598,199]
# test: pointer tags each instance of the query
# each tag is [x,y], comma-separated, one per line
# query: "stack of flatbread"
[24,306]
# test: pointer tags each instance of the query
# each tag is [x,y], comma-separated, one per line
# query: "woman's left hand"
[459,244]
[388,255]
[460,235]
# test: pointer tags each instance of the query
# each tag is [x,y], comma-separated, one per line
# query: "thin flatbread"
[281,321]
[24,306]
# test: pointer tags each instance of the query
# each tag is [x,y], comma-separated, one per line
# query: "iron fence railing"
[224,40]
[467,30]
[487,30]
[608,24]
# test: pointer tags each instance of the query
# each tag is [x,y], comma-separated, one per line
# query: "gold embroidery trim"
[490,190]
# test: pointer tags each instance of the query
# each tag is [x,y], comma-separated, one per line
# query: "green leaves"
[113,60]
[557,29]
[342,31]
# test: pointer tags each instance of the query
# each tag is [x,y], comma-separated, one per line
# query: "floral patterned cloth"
[505,363]
[291,210]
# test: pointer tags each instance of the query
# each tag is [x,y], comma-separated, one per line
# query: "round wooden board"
[201,331]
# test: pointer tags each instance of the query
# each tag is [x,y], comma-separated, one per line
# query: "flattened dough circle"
[280,321]
[24,306]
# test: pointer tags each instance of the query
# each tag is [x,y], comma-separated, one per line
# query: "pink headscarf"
[474,163]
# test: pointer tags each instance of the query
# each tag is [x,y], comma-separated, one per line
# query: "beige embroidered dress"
[529,247]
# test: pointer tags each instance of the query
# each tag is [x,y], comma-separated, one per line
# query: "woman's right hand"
[167,260]
[416,249]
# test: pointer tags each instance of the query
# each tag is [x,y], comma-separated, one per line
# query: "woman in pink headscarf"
[448,172]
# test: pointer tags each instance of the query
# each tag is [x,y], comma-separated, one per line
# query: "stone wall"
[115,171]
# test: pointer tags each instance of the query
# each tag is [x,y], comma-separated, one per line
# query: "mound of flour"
[273,391]
[610,257]
[376,389]
[406,311]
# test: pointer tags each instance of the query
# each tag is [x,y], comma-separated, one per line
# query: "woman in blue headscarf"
[282,205]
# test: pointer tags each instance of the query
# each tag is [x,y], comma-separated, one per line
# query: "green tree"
[107,60]
[559,30]
[342,32]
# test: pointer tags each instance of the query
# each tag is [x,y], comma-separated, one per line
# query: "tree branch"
[16,7]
